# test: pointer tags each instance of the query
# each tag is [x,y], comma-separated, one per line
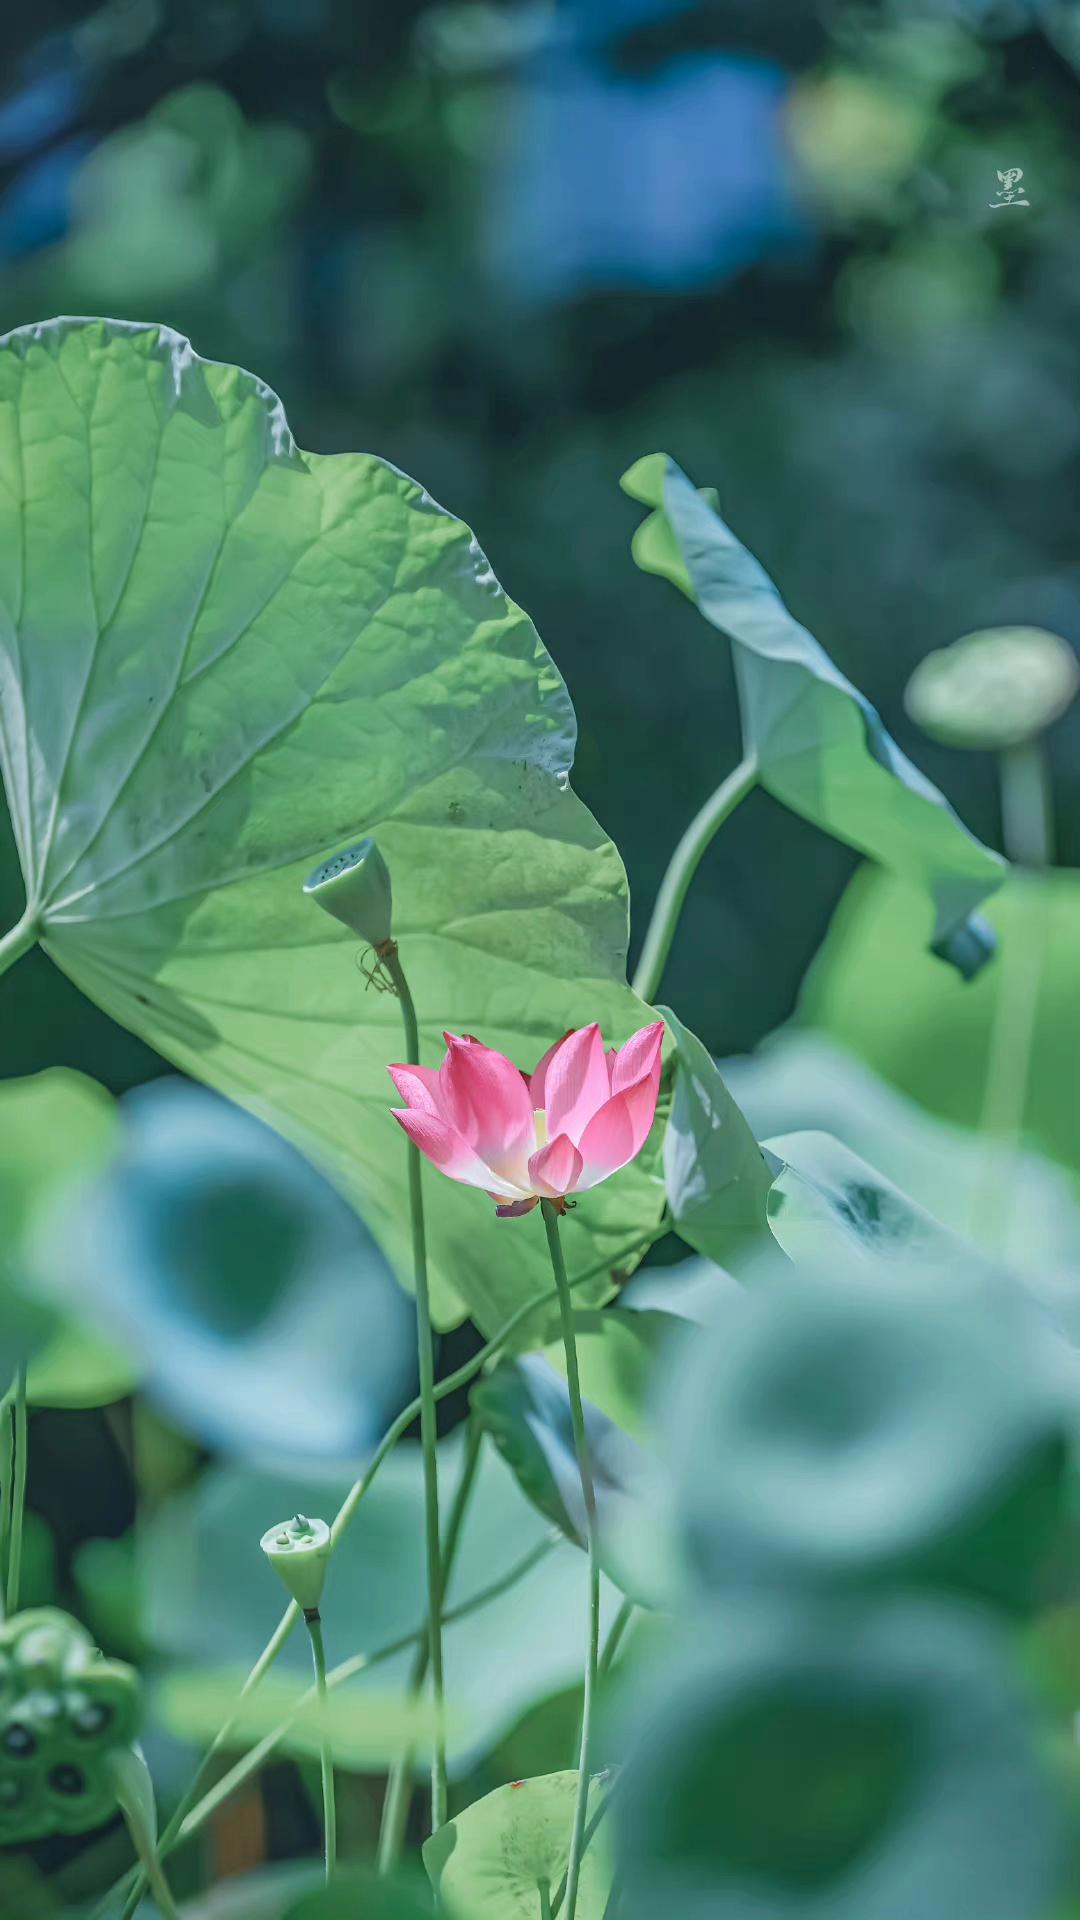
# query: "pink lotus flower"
[526,1137]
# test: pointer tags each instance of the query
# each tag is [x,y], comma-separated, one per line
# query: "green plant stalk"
[143,1842]
[615,1635]
[19,939]
[543,1888]
[593,1823]
[18,1502]
[1027,832]
[396,1805]
[453,1381]
[313,1621]
[577,1418]
[681,869]
[428,1428]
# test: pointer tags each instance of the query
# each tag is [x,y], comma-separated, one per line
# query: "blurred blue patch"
[266,1319]
[673,179]
[42,105]
[35,211]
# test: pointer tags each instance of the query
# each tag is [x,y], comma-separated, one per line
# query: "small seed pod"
[63,1710]
[994,689]
[355,887]
[299,1550]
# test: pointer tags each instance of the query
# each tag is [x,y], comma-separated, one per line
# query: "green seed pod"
[63,1710]
[355,887]
[299,1550]
[993,689]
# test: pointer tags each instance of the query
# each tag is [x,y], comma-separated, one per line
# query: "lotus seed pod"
[299,1550]
[63,1710]
[355,887]
[993,689]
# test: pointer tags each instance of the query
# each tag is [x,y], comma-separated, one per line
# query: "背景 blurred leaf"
[55,1127]
[223,658]
[211,1599]
[490,1863]
[825,1194]
[873,990]
[860,1429]
[366,1730]
[801,1079]
[357,1893]
[617,1356]
[525,1406]
[717,1176]
[819,746]
[836,1765]
[265,1319]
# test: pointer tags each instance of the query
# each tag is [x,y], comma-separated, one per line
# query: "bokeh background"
[512,247]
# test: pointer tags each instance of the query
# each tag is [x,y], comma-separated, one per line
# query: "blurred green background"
[511,247]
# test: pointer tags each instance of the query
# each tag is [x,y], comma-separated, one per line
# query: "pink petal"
[484,1096]
[575,1083]
[617,1133]
[537,1080]
[445,1148]
[554,1171]
[639,1057]
[419,1087]
[514,1209]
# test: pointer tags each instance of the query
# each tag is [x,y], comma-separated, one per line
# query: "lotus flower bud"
[299,1550]
[355,887]
[994,689]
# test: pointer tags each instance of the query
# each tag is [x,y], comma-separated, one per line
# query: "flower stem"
[615,1635]
[681,869]
[313,1621]
[577,1418]
[399,1788]
[18,1500]
[428,1429]
[19,940]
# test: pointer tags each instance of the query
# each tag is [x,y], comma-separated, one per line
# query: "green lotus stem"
[399,1788]
[1027,832]
[18,1500]
[681,869]
[593,1823]
[241,1773]
[19,940]
[581,1447]
[428,1430]
[313,1622]
[543,1888]
[452,1383]
[143,1842]
[618,1628]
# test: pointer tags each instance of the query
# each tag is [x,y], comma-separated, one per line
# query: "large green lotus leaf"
[820,746]
[491,1862]
[874,991]
[221,657]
